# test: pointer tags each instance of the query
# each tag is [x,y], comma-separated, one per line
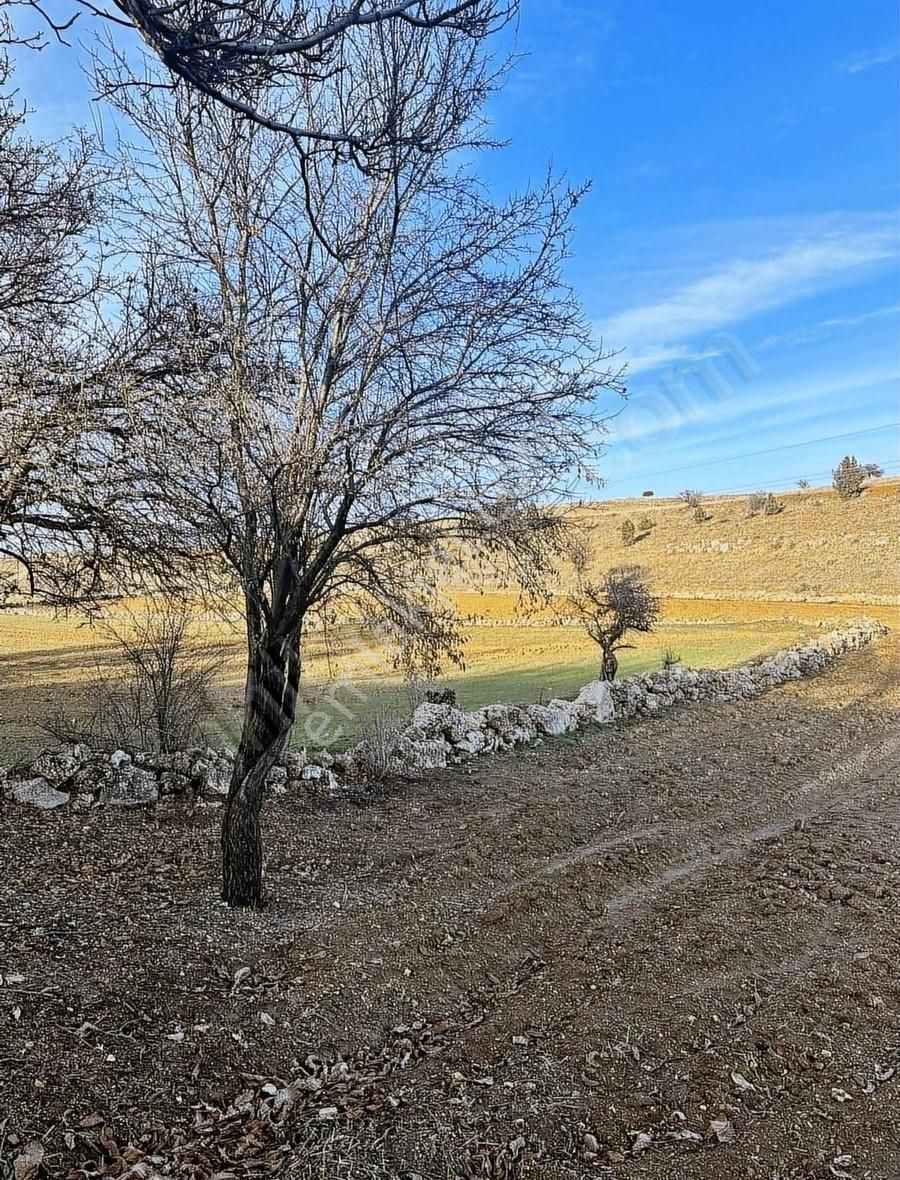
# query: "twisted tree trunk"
[610,665]
[270,705]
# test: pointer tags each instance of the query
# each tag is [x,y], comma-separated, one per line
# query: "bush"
[764,504]
[670,659]
[156,695]
[628,532]
[379,730]
[701,515]
[803,484]
[850,475]
[646,524]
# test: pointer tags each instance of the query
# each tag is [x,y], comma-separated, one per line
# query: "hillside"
[818,550]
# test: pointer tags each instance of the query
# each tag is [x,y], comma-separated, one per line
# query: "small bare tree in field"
[49,211]
[691,497]
[396,371]
[612,608]
[158,691]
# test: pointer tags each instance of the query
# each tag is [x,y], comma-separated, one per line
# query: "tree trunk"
[270,704]
[610,665]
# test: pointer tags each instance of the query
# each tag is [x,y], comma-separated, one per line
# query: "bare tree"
[398,372]
[74,346]
[621,603]
[239,53]
[49,212]
[691,497]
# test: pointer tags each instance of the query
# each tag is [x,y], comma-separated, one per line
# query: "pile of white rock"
[83,778]
[439,735]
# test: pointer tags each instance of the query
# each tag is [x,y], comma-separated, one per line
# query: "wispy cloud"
[868,59]
[825,328]
[675,327]
[650,415]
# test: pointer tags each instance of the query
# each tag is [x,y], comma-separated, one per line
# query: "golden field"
[733,588]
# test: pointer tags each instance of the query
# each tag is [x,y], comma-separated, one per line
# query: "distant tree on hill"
[850,475]
[764,504]
[621,603]
[647,493]
[628,533]
[691,497]
[803,484]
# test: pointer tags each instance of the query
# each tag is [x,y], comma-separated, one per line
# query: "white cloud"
[859,63]
[658,411]
[826,328]
[661,332]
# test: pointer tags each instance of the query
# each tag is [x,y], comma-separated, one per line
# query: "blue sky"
[740,243]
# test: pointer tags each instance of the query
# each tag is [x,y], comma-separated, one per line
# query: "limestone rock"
[277,780]
[595,702]
[321,776]
[57,767]
[436,721]
[212,775]
[427,754]
[130,786]
[569,710]
[35,792]
[294,762]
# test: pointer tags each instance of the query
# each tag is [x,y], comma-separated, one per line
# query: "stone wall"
[438,735]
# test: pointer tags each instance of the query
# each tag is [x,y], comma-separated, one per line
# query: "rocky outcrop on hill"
[439,735]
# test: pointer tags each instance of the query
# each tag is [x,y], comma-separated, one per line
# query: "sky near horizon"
[739,247]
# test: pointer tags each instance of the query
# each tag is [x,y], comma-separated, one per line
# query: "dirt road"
[666,950]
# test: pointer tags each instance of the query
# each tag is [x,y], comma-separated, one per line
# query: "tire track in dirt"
[870,763]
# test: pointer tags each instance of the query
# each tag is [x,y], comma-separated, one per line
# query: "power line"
[888,467]
[754,454]
[783,483]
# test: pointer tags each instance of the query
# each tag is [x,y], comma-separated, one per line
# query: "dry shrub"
[379,730]
[764,504]
[158,690]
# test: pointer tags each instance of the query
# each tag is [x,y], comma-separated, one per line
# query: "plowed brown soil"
[667,950]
